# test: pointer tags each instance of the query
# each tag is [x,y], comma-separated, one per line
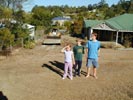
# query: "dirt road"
[36,75]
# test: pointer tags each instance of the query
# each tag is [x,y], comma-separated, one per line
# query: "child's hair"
[78,40]
[94,34]
[68,44]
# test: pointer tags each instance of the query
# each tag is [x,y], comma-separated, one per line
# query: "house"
[60,20]
[114,29]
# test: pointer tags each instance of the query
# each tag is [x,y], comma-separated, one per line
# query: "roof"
[61,18]
[92,23]
[28,26]
[119,23]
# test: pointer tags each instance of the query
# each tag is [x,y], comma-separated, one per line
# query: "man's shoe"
[74,74]
[78,74]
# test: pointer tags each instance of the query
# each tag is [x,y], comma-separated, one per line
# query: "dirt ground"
[37,75]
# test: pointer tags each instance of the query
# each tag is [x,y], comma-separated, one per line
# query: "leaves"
[6,38]
[13,4]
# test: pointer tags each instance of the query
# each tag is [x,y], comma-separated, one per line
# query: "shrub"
[29,45]
[6,38]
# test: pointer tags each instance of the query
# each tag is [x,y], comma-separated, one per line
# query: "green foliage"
[29,44]
[128,40]
[67,24]
[130,10]
[77,26]
[13,4]
[19,31]
[48,29]
[55,12]
[109,14]
[27,18]
[41,16]
[6,38]
[5,13]
[19,16]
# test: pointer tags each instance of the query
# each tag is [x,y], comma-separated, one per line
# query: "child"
[78,53]
[69,58]
[92,51]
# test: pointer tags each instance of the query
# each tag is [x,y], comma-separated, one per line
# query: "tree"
[109,14]
[67,24]
[131,7]
[6,38]
[13,4]
[5,13]
[90,7]
[19,16]
[41,16]
[77,26]
[55,11]
[19,31]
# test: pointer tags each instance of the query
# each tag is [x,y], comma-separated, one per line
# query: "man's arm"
[86,52]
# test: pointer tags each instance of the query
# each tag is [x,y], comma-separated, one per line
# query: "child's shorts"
[92,62]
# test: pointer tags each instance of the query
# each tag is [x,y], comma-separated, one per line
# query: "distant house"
[31,29]
[113,29]
[60,20]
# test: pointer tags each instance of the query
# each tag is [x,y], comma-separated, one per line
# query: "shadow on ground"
[2,97]
[58,67]
[83,73]
[55,66]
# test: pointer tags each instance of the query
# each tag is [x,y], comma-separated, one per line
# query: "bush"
[29,45]
[6,38]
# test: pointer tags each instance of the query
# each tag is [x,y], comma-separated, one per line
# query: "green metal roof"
[91,23]
[119,23]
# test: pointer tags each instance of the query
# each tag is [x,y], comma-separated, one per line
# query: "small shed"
[31,29]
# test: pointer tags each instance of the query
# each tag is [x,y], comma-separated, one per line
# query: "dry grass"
[36,75]
[111,45]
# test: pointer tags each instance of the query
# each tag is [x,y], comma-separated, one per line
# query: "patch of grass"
[111,45]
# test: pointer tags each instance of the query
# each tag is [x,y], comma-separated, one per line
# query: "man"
[93,47]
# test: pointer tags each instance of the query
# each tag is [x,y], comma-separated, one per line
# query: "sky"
[27,6]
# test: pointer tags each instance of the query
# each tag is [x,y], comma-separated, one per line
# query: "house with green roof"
[118,29]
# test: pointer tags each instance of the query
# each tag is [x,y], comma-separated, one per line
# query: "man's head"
[94,36]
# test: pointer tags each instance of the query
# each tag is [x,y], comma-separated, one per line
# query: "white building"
[31,29]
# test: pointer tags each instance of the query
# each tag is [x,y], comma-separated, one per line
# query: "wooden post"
[122,37]
[117,34]
[91,31]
